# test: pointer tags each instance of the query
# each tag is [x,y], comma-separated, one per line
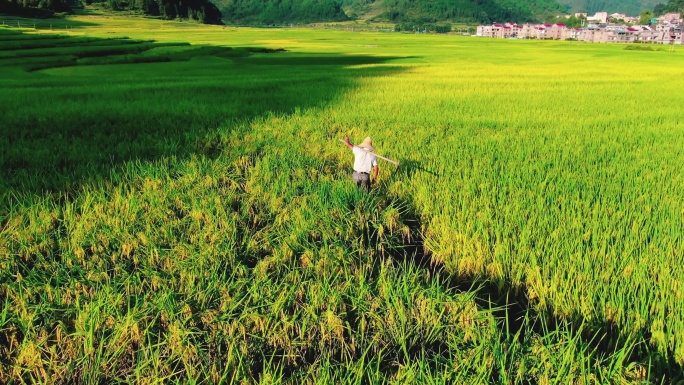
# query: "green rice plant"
[193,220]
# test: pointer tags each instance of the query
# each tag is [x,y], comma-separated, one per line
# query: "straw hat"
[367,144]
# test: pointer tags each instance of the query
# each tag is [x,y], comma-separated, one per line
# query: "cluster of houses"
[666,29]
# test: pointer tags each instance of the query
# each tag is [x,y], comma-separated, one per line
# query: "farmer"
[364,161]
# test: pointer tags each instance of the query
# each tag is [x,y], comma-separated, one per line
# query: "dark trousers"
[362,179]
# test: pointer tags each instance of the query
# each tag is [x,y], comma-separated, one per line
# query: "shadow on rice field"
[515,313]
[77,107]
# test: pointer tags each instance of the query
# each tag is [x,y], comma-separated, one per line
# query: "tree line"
[200,10]
[629,7]
[423,27]
[37,8]
[480,11]
[281,11]
[670,6]
[409,15]
[203,11]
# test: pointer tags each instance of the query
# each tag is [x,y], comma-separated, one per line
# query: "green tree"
[645,17]
[670,6]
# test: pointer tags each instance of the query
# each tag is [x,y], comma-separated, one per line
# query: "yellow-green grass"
[239,250]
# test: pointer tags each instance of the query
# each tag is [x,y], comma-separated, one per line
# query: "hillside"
[287,11]
[670,6]
[280,11]
[275,12]
[470,11]
[629,7]
[203,11]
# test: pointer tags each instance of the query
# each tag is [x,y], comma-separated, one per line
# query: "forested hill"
[481,11]
[200,10]
[670,6]
[274,12]
[280,11]
[288,11]
[629,7]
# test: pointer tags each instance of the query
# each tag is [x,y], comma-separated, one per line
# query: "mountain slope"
[200,10]
[483,11]
[288,11]
[670,6]
[280,11]
[629,7]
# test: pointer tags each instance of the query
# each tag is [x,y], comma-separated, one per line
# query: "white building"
[599,17]
[663,33]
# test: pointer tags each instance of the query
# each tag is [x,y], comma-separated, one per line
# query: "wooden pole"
[379,156]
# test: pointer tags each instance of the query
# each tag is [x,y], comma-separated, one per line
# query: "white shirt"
[364,160]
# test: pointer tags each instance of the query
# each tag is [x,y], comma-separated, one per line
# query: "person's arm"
[376,169]
[348,143]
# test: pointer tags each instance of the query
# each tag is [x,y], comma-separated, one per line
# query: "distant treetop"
[203,11]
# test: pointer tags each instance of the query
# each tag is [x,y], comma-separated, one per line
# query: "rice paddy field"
[176,207]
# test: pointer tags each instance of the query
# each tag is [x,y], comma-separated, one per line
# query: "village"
[600,28]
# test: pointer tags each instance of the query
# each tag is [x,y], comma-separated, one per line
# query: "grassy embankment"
[191,218]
